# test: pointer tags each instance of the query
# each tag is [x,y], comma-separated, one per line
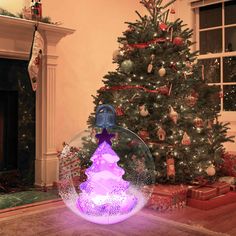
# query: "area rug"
[25,197]
[59,221]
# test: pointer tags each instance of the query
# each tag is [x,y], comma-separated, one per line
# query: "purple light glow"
[105,198]
[105,193]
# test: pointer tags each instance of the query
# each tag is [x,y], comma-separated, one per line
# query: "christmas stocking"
[35,59]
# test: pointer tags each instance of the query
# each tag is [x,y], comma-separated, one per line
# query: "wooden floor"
[221,219]
[53,218]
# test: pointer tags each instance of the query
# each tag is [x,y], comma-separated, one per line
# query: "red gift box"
[229,165]
[218,201]
[221,187]
[168,197]
[202,193]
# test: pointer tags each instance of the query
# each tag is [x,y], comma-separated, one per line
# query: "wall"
[86,56]
[13,6]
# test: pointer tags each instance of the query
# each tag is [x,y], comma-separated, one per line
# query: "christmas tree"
[160,93]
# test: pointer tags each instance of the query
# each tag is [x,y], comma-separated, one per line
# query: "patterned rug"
[60,221]
[25,197]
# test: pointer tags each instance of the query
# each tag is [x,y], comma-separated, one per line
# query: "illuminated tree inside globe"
[105,191]
[111,192]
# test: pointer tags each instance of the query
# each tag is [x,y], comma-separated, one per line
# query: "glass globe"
[106,174]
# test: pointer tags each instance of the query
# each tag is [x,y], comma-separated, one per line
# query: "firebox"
[8,130]
[17,120]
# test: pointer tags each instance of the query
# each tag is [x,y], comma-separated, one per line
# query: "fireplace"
[15,43]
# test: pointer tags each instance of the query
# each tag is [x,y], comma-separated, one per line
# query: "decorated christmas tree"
[160,93]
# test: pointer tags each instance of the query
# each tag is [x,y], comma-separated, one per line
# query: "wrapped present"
[168,197]
[202,193]
[233,187]
[221,187]
[69,163]
[215,202]
[228,179]
[229,165]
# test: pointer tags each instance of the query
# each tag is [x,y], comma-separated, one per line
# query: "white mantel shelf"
[16,37]
[18,45]
[28,24]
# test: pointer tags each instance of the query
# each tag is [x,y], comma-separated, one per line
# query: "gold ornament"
[143,111]
[170,162]
[173,115]
[161,134]
[186,139]
[150,67]
[198,122]
[211,170]
[191,100]
[162,71]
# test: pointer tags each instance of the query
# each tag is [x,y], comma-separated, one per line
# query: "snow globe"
[106,172]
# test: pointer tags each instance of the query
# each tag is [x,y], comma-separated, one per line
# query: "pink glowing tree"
[105,192]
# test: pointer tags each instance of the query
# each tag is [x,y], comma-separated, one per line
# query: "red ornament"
[198,122]
[172,11]
[143,134]
[119,111]
[178,41]
[163,26]
[161,133]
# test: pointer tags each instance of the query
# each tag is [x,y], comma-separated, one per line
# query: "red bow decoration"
[162,90]
[145,45]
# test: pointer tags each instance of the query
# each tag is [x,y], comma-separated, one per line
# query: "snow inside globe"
[107,172]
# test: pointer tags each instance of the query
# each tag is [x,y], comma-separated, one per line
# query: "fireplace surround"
[15,43]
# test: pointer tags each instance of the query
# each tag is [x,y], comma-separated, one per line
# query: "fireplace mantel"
[15,43]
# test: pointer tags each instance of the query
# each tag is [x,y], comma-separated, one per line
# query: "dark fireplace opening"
[8,130]
[17,124]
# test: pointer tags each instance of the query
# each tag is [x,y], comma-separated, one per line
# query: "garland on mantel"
[46,19]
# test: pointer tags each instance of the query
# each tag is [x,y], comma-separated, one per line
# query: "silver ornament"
[127,66]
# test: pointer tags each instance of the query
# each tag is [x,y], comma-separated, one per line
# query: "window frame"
[225,115]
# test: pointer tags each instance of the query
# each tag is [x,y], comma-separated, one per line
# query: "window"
[216,42]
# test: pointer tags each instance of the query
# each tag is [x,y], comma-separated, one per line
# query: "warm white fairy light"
[175,153]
